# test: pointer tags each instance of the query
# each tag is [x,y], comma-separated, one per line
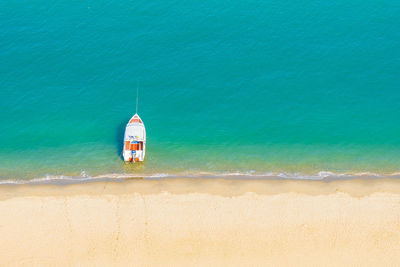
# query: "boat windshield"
[135,132]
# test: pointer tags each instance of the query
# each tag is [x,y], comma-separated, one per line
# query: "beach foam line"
[84,177]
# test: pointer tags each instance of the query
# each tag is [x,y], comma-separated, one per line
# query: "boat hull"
[134,140]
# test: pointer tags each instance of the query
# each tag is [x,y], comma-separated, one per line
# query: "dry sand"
[191,222]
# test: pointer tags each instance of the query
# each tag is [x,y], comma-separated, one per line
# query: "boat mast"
[137,98]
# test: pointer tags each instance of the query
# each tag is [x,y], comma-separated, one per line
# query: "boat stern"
[134,151]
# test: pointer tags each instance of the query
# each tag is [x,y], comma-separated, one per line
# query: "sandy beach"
[188,222]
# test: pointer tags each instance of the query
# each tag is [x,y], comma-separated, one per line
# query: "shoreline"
[355,187]
[83,177]
[181,222]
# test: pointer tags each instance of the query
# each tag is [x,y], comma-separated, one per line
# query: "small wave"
[84,177]
[61,179]
[47,178]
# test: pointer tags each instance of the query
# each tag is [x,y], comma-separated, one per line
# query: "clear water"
[250,87]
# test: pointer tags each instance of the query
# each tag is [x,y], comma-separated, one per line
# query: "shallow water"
[272,88]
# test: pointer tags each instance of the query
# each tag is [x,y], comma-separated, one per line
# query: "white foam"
[251,174]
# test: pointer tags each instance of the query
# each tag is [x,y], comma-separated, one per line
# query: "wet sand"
[197,222]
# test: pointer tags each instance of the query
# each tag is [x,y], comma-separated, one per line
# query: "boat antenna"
[137,98]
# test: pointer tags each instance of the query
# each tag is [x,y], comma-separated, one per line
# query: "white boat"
[134,140]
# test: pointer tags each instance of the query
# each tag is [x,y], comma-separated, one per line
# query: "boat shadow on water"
[119,137]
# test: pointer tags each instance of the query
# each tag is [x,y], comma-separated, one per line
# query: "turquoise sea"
[251,88]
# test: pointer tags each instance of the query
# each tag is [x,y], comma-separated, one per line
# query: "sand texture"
[191,222]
